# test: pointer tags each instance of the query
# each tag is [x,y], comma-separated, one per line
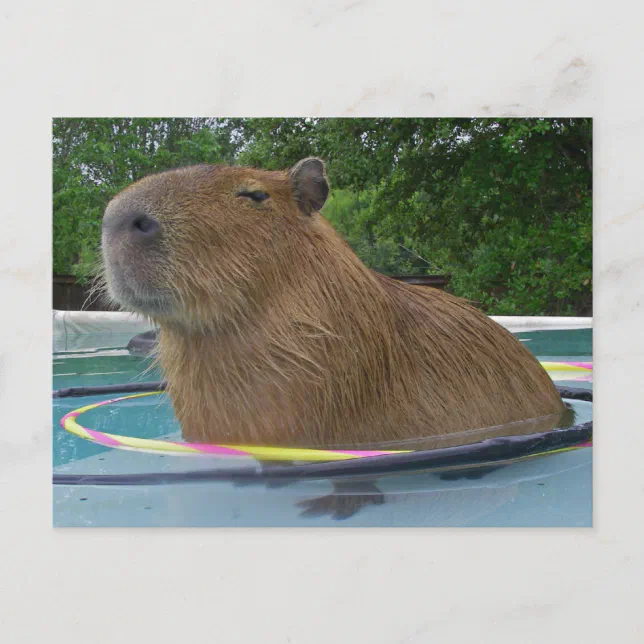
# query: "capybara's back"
[272,331]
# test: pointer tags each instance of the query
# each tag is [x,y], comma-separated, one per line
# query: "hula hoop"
[69,423]
[579,367]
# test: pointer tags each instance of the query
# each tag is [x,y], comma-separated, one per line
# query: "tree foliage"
[503,205]
[93,159]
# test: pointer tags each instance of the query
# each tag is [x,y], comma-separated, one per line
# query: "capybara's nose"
[143,225]
[134,224]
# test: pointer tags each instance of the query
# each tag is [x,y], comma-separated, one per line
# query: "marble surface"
[338,58]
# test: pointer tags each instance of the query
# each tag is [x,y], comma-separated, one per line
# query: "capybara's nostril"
[144,225]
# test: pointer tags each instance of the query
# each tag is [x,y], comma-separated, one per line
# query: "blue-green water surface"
[554,490]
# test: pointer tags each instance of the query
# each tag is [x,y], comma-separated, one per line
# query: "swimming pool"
[554,490]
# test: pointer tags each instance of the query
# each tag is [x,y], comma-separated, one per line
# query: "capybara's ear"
[310,184]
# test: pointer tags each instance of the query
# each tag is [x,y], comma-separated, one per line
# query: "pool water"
[554,490]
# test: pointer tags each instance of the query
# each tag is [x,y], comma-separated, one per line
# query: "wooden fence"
[69,295]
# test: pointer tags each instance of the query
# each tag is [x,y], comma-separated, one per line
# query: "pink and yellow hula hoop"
[69,423]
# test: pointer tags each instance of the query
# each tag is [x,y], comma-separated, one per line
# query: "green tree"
[503,205]
[93,159]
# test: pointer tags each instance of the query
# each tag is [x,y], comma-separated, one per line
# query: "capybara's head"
[197,245]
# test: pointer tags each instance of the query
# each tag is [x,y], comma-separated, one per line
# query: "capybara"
[273,332]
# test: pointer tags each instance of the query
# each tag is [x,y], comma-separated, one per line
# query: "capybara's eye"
[255,195]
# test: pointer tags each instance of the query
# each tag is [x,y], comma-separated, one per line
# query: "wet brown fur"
[273,332]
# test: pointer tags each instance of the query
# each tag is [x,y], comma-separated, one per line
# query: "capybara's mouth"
[134,294]
[155,304]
